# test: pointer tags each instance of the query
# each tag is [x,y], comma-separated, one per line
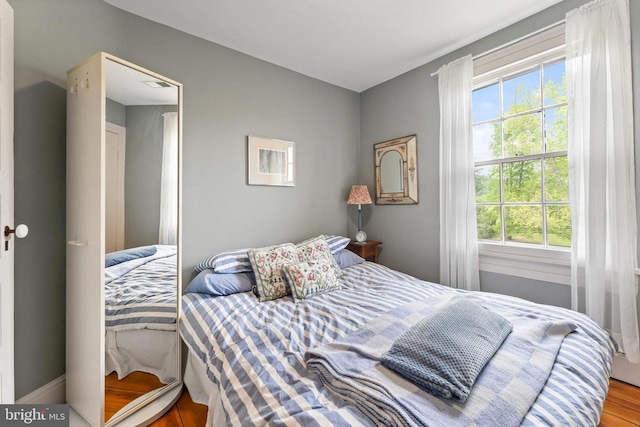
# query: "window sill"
[547,265]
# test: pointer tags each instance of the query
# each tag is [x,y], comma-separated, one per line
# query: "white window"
[520,153]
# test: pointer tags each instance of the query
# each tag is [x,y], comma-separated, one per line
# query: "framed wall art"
[396,171]
[271,162]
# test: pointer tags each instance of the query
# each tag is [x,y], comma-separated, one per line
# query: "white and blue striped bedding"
[141,294]
[254,352]
[237,260]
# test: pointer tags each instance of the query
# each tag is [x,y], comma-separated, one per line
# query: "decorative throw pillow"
[235,261]
[267,265]
[310,278]
[317,248]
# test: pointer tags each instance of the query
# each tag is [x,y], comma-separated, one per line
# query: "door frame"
[7,257]
[121,133]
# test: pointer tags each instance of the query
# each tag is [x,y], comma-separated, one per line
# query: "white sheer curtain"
[601,169]
[169,182]
[458,227]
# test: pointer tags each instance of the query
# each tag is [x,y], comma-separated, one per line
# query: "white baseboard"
[53,392]
[626,371]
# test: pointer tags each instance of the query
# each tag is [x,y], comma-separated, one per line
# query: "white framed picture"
[270,162]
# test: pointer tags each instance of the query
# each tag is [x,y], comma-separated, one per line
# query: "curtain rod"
[512,42]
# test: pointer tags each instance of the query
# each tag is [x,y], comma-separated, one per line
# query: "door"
[115,148]
[6,204]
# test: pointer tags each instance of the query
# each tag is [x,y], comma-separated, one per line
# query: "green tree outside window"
[521,174]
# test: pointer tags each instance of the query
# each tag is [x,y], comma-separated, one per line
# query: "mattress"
[253,352]
[144,350]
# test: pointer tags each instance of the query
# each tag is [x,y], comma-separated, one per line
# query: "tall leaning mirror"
[123,242]
[142,208]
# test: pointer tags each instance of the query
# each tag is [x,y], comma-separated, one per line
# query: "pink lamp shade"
[359,195]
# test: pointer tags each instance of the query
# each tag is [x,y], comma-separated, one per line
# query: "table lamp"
[359,195]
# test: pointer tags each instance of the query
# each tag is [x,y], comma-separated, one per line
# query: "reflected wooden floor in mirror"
[185,413]
[118,393]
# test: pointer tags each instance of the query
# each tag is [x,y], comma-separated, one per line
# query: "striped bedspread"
[254,352]
[141,294]
[510,372]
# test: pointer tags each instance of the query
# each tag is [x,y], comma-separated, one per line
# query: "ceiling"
[354,44]
[132,87]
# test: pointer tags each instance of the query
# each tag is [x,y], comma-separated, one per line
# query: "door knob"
[20,231]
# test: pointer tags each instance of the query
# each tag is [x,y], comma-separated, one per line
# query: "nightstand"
[368,249]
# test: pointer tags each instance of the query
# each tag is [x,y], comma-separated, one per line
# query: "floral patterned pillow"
[310,278]
[317,248]
[267,265]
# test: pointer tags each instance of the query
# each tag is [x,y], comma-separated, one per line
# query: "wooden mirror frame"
[406,147]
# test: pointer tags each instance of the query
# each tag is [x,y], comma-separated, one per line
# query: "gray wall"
[40,159]
[143,173]
[227,96]
[408,104]
[143,168]
[116,113]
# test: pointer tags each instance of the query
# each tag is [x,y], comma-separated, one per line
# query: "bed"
[246,358]
[140,312]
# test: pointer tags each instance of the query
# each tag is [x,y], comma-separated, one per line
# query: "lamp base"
[361,236]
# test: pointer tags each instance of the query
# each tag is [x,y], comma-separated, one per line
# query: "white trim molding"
[53,392]
[624,370]
[547,265]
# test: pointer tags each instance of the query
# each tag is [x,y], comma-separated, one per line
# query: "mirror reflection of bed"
[141,208]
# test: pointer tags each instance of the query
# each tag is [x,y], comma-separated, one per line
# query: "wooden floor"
[621,409]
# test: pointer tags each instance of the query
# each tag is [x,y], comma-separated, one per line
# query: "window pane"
[486,103]
[523,224]
[555,129]
[487,184]
[555,84]
[559,226]
[489,223]
[486,141]
[523,135]
[521,93]
[556,179]
[522,181]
